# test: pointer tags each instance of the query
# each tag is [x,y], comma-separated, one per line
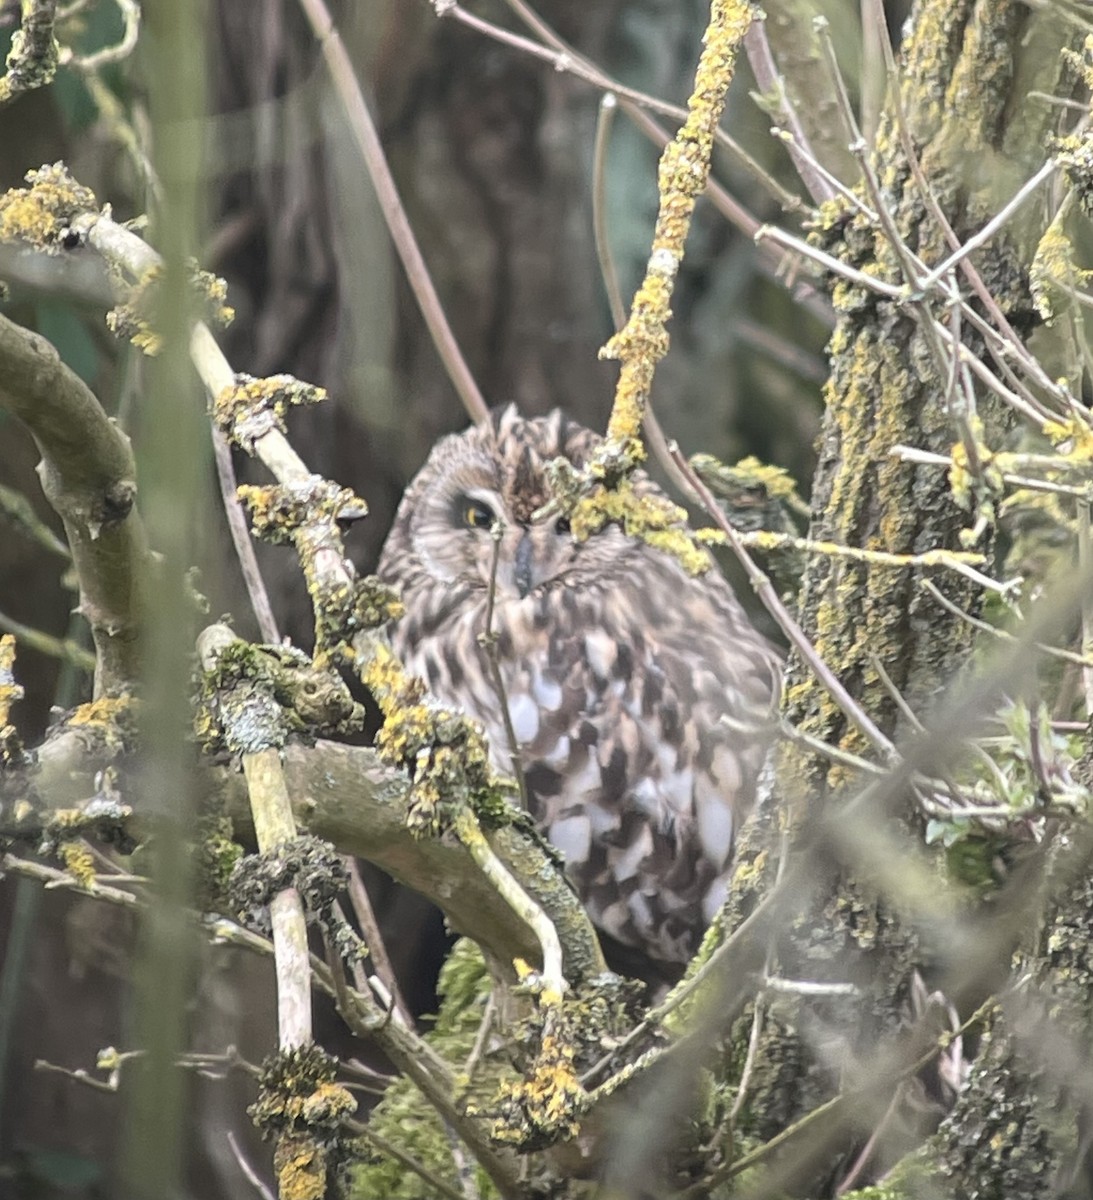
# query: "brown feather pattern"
[618,667]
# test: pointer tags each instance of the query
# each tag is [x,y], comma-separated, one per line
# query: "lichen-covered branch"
[89,477]
[32,60]
[684,167]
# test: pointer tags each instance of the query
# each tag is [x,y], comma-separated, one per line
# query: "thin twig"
[930,458]
[424,1173]
[793,631]
[1003,635]
[773,87]
[368,142]
[605,119]
[242,542]
[1085,565]
[471,835]
[771,233]
[898,698]
[488,642]
[564,58]
[1023,194]
[252,1175]
[482,1037]
[962,562]
[130,14]
[373,937]
[64,649]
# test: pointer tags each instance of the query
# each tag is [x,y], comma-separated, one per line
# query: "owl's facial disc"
[527,556]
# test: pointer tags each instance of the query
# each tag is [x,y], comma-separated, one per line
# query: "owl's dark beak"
[522,575]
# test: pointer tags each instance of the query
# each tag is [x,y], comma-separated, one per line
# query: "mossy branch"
[88,475]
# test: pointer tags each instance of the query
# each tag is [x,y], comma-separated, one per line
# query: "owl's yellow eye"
[477,514]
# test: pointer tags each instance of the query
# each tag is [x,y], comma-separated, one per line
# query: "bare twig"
[253,1178]
[373,936]
[488,641]
[773,604]
[984,235]
[773,87]
[402,235]
[45,643]
[608,107]
[1085,661]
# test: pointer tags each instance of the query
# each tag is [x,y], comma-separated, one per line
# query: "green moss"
[405,1119]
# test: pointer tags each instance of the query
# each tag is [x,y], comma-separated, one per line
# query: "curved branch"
[89,477]
[345,795]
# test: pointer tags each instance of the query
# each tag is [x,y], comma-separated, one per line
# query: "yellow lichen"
[1073,437]
[301,1169]
[652,518]
[1054,276]
[10,691]
[546,1104]
[41,214]
[79,862]
[444,752]
[34,54]
[133,317]
[681,178]
[110,718]
[251,407]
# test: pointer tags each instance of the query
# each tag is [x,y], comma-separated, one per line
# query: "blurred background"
[493,153]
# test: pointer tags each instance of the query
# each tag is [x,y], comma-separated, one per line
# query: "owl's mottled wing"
[635,775]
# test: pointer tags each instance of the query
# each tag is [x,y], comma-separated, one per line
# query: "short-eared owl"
[631,685]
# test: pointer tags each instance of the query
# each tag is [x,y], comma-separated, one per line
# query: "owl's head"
[490,473]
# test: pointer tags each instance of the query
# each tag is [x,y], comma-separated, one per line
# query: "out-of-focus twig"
[402,235]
